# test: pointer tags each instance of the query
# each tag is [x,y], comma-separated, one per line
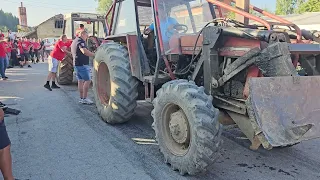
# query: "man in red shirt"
[56,55]
[26,45]
[8,48]
[36,48]
[3,58]
[21,54]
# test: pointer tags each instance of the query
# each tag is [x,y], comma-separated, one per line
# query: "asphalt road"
[57,138]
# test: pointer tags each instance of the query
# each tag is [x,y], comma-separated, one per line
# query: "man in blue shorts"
[5,155]
[80,54]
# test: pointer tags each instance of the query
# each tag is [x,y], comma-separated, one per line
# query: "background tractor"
[203,72]
[95,25]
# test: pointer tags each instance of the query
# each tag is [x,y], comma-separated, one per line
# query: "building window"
[58,24]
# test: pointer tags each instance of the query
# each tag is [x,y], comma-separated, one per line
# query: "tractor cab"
[158,29]
[94,24]
[178,19]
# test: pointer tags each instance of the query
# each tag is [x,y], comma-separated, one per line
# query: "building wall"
[47,29]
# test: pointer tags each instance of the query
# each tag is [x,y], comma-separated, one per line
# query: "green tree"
[8,21]
[309,6]
[104,6]
[285,7]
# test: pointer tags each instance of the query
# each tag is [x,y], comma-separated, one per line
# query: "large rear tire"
[186,126]
[65,71]
[115,89]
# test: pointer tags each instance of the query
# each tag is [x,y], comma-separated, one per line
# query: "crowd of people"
[30,49]
[21,52]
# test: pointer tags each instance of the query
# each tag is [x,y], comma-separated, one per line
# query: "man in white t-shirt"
[11,35]
[47,47]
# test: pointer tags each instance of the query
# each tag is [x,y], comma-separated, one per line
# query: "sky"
[41,10]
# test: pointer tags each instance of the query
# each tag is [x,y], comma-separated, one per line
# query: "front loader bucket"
[286,110]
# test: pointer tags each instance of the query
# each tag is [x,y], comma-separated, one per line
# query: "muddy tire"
[65,71]
[186,126]
[115,89]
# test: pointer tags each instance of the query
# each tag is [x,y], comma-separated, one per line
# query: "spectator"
[3,57]
[81,55]
[25,46]
[41,50]
[36,47]
[31,51]
[5,155]
[21,55]
[47,45]
[8,49]
[57,54]
[11,35]
[14,53]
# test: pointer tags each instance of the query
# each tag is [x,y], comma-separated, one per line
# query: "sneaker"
[47,86]
[29,66]
[21,66]
[81,101]
[54,86]
[87,101]
[2,106]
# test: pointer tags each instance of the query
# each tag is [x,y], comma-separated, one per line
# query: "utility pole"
[244,5]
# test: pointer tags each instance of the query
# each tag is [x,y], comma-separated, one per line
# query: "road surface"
[55,137]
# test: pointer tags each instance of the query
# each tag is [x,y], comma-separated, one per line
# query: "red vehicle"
[201,71]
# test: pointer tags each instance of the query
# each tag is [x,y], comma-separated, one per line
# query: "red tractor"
[202,71]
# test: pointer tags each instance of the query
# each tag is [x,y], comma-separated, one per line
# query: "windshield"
[94,28]
[193,14]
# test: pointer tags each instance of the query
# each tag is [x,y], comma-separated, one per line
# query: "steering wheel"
[181,27]
[177,29]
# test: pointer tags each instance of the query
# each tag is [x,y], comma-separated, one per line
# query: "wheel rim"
[176,130]
[103,83]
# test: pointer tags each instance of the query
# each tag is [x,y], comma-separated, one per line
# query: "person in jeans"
[41,49]
[9,49]
[3,58]
[47,45]
[80,54]
[5,154]
[56,55]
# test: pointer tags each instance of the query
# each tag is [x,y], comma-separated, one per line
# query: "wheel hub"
[179,127]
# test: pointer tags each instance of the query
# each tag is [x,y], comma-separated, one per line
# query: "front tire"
[186,126]
[115,89]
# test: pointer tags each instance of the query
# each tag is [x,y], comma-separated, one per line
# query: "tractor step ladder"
[151,81]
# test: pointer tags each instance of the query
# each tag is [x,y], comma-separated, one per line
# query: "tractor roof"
[84,15]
